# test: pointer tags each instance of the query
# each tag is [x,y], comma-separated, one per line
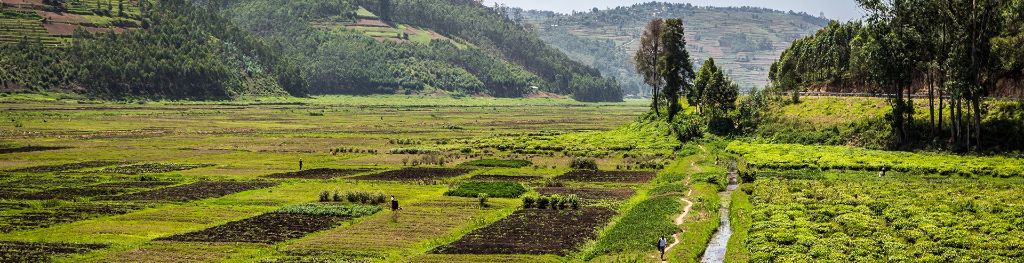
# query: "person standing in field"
[300,164]
[394,204]
[661,246]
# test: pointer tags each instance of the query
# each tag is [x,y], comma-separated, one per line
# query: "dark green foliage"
[491,189]
[361,197]
[325,196]
[482,197]
[583,163]
[641,226]
[675,65]
[187,53]
[499,163]
[529,201]
[495,32]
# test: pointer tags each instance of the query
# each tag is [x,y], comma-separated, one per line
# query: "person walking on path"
[661,246]
[300,164]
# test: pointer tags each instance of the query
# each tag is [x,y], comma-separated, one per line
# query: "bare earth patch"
[320,173]
[15,251]
[267,228]
[415,174]
[193,191]
[505,178]
[533,231]
[616,194]
[607,176]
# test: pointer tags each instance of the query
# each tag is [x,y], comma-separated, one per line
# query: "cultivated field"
[478,180]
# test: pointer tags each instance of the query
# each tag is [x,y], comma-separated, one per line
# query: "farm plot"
[415,174]
[104,189]
[287,223]
[320,173]
[67,167]
[193,191]
[25,149]
[46,217]
[491,189]
[499,163]
[14,251]
[858,217]
[416,223]
[505,178]
[588,193]
[607,176]
[153,168]
[533,231]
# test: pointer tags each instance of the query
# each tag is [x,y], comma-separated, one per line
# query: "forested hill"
[744,40]
[207,49]
[385,46]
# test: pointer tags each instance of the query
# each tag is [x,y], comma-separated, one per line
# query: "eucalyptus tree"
[675,65]
[646,59]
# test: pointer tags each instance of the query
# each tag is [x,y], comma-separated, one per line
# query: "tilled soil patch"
[15,251]
[29,149]
[533,231]
[267,228]
[607,176]
[505,178]
[612,194]
[104,189]
[415,174]
[153,168]
[67,167]
[52,216]
[320,173]
[193,191]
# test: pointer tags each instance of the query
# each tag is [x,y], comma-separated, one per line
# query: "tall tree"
[646,59]
[675,65]
[706,77]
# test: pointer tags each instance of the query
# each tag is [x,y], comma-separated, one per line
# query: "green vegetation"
[499,163]
[489,189]
[792,156]
[739,217]
[641,226]
[902,49]
[861,217]
[700,224]
[345,210]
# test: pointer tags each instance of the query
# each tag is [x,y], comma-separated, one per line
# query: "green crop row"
[347,210]
[492,189]
[859,217]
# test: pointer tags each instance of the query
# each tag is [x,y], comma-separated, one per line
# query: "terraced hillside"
[744,40]
[52,24]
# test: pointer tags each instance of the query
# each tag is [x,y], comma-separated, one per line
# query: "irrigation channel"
[715,252]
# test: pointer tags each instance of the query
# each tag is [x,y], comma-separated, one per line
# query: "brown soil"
[607,176]
[15,251]
[616,194]
[320,173]
[193,191]
[66,167]
[415,174]
[505,178]
[153,168]
[59,215]
[267,228]
[533,231]
[29,149]
[72,193]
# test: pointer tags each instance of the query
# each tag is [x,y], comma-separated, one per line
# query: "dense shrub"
[583,163]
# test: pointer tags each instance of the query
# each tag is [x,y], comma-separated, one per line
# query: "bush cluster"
[583,163]
[491,189]
[354,197]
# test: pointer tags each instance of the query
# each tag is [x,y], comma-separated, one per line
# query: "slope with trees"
[955,53]
[744,40]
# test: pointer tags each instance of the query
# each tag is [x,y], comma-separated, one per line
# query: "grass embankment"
[739,216]
[699,225]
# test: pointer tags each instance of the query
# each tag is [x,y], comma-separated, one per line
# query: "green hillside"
[744,40]
[237,48]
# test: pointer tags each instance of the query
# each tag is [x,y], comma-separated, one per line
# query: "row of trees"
[957,51]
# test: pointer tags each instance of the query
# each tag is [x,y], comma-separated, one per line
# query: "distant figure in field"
[300,164]
[394,204]
[882,173]
[661,246]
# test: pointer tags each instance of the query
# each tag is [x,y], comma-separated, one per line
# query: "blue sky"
[843,10]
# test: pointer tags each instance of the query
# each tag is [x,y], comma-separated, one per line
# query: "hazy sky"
[835,9]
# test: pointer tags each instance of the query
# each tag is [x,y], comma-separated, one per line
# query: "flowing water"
[715,252]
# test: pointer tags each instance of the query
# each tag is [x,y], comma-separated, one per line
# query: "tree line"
[959,52]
